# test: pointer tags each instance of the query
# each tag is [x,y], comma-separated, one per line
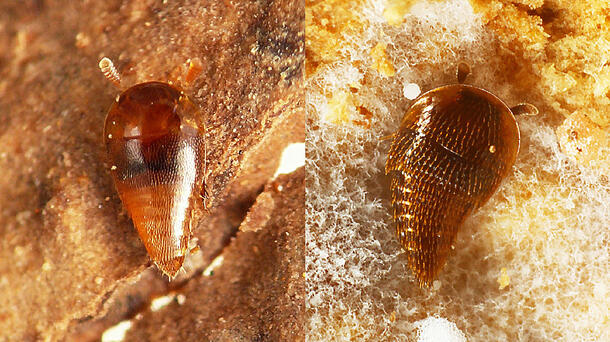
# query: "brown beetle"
[157,152]
[454,146]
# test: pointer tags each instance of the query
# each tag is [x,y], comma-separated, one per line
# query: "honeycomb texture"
[547,224]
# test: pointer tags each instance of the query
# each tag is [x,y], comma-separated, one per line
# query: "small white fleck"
[161,302]
[213,265]
[411,91]
[436,328]
[19,250]
[113,167]
[117,332]
[46,266]
[109,136]
[492,149]
[292,158]
[436,285]
[181,299]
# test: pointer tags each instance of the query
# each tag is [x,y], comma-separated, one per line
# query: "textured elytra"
[454,146]
[157,153]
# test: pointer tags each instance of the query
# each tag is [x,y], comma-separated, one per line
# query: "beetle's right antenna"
[194,69]
[109,71]
[463,70]
[525,109]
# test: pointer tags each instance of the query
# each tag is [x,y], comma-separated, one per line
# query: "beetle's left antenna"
[463,69]
[109,71]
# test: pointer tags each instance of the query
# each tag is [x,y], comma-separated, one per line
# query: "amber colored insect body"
[454,146]
[157,153]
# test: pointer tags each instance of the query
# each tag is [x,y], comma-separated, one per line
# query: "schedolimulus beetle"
[156,149]
[454,146]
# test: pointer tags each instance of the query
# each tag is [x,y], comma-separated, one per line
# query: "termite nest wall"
[71,262]
[532,264]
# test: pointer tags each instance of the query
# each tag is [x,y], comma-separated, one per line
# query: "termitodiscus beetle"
[454,146]
[156,150]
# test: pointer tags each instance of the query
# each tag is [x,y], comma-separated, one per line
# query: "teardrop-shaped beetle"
[454,146]
[157,154]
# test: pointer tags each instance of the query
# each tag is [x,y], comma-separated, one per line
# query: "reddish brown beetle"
[157,152]
[455,145]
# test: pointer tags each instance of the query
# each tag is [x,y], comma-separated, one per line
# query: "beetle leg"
[387,137]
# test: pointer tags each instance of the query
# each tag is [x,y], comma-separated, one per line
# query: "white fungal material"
[435,329]
[547,224]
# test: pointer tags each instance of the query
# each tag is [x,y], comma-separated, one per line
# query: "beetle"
[156,147]
[455,145]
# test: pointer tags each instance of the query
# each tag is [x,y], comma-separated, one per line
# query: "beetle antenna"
[524,109]
[463,69]
[195,67]
[109,71]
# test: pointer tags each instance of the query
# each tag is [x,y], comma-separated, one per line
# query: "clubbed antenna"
[524,109]
[109,71]
[463,70]
[194,69]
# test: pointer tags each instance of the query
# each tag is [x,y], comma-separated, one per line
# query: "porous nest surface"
[531,264]
[71,264]
[257,294]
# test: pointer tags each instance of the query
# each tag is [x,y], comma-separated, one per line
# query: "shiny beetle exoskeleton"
[454,146]
[156,151]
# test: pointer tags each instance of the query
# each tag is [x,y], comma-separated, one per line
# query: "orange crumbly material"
[503,279]
[381,62]
[568,42]
[327,22]
[543,235]
[344,108]
[395,11]
[585,141]
[341,108]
